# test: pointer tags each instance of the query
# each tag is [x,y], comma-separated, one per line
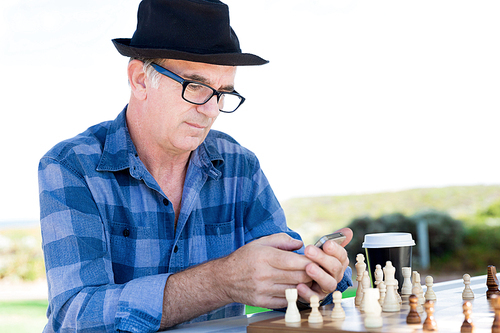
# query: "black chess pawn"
[495,328]
[429,322]
[467,325]
[413,316]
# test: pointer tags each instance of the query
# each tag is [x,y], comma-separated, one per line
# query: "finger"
[335,250]
[292,277]
[305,293]
[281,241]
[287,261]
[333,263]
[324,282]
[348,236]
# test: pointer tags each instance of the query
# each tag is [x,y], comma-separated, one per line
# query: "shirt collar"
[119,152]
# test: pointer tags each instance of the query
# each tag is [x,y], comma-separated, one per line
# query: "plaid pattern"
[108,230]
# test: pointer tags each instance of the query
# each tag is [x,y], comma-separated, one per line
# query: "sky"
[358,97]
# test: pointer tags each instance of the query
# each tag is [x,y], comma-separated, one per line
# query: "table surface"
[240,323]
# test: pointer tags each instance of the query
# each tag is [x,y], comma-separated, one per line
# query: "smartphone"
[337,237]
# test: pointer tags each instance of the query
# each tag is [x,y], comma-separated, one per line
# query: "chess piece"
[416,292]
[292,314]
[337,311]
[396,287]
[373,311]
[430,294]
[365,282]
[467,294]
[467,325]
[407,286]
[379,275]
[492,282]
[360,268]
[382,288]
[429,322]
[413,316]
[391,301]
[315,316]
[416,284]
[495,300]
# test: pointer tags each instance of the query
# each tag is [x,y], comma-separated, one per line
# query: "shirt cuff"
[141,304]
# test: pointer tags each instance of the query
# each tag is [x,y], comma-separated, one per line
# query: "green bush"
[21,256]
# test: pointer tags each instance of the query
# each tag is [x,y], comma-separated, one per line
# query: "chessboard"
[448,313]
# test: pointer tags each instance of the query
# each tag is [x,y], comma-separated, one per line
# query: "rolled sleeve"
[139,307]
[83,295]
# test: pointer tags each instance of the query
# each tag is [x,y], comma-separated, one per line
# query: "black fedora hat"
[192,30]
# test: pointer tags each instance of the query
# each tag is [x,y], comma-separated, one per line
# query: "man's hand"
[326,269]
[259,272]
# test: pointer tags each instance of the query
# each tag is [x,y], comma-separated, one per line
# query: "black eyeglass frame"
[185,83]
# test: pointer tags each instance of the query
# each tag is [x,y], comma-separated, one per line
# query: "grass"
[350,292]
[23,316]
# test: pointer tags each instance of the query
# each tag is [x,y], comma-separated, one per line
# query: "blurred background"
[379,115]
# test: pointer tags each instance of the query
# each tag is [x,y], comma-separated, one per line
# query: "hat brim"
[224,59]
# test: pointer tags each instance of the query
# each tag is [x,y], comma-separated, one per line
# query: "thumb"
[281,241]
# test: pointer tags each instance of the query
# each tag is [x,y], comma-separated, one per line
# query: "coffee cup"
[395,247]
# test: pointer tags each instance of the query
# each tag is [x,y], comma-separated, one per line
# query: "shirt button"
[165,202]
[176,249]
[126,232]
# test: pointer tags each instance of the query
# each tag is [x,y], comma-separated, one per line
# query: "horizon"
[359,96]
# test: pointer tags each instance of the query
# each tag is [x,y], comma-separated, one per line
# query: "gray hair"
[151,73]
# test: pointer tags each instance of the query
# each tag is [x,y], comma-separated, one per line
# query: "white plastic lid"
[388,239]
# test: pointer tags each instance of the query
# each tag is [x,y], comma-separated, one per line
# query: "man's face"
[174,124]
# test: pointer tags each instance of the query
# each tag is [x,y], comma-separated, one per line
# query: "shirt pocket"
[131,246]
[220,239]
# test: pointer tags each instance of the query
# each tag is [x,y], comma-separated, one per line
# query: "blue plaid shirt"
[108,230]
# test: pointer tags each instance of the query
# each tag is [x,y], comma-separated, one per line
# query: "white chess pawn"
[373,311]
[292,314]
[407,286]
[366,284]
[379,275]
[467,294]
[315,316]
[416,283]
[391,301]
[415,291]
[337,311]
[360,268]
[429,293]
[382,288]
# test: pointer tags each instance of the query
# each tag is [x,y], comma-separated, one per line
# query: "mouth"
[195,125]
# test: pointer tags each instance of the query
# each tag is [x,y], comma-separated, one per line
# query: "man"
[153,220]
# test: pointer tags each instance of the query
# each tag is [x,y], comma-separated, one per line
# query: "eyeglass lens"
[200,94]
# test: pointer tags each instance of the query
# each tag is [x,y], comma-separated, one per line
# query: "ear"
[137,79]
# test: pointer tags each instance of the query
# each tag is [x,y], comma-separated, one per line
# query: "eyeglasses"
[198,93]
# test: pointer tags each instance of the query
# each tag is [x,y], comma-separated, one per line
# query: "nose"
[210,108]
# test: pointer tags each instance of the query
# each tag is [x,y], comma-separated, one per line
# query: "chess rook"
[407,286]
[292,314]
